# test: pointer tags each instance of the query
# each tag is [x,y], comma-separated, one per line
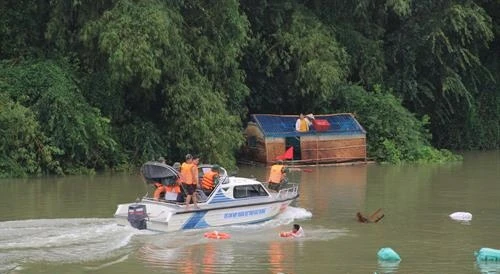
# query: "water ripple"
[60,240]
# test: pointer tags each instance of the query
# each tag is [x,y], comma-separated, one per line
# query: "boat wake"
[176,251]
[251,233]
[61,241]
[101,243]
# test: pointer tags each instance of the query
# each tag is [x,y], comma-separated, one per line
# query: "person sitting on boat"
[296,232]
[159,190]
[302,124]
[190,173]
[173,188]
[277,176]
[210,179]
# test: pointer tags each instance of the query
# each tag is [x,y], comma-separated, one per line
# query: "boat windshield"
[245,191]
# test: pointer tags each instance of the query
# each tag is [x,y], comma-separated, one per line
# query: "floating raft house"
[333,138]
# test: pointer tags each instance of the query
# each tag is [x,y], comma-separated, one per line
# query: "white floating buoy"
[461,216]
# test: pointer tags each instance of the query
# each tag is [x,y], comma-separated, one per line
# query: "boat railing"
[288,192]
[224,179]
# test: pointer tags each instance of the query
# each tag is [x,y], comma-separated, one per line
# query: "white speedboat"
[234,200]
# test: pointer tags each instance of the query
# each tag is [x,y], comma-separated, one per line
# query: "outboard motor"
[137,216]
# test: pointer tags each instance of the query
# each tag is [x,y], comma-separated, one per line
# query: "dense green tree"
[218,33]
[169,76]
[394,134]
[24,149]
[294,64]
[75,129]
[98,84]
[432,54]
[22,28]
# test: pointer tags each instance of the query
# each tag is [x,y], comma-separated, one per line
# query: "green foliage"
[476,127]
[218,33]
[24,149]
[184,88]
[199,123]
[22,27]
[137,37]
[319,61]
[440,56]
[394,134]
[96,84]
[74,128]
[143,141]
[299,63]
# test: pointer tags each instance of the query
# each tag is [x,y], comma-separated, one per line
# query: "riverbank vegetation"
[90,85]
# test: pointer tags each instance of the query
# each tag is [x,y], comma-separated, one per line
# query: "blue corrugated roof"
[284,125]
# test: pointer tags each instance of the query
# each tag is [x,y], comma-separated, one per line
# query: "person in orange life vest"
[302,124]
[196,162]
[210,180]
[190,171]
[277,176]
[178,188]
[160,188]
[296,232]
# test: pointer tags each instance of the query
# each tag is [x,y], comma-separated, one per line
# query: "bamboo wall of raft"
[313,149]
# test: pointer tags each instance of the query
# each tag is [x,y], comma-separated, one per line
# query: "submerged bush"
[393,133]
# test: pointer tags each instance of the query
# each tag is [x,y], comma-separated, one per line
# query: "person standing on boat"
[277,176]
[302,124]
[189,171]
[196,162]
[210,179]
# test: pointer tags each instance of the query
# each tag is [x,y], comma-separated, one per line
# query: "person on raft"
[296,232]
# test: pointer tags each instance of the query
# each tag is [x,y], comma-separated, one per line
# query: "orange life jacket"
[208,180]
[195,174]
[186,172]
[173,188]
[158,192]
[276,174]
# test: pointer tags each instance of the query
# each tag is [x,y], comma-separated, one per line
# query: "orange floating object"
[286,234]
[217,235]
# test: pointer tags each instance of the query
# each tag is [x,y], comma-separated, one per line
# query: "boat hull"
[165,218]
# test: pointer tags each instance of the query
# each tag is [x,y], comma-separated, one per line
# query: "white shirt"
[297,123]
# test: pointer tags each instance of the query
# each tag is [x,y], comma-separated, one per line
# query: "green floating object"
[487,254]
[388,254]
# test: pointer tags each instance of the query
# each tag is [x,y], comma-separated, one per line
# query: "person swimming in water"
[296,232]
